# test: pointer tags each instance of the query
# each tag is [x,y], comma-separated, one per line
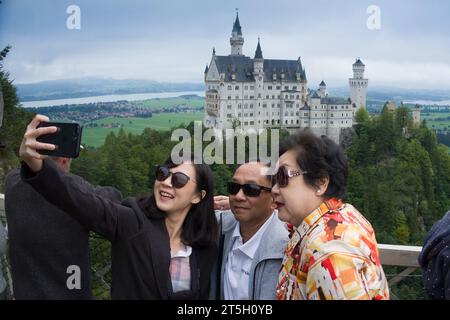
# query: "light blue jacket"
[266,262]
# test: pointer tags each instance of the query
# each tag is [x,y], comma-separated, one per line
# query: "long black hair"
[200,226]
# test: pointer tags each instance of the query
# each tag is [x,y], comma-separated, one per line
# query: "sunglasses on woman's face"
[283,174]
[249,189]
[179,179]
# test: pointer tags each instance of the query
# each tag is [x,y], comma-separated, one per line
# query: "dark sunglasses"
[249,189]
[179,179]
[283,174]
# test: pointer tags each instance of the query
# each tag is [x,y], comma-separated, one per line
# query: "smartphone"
[67,139]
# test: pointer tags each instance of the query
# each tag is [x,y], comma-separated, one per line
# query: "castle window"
[252,122]
[305,114]
[229,97]
[246,123]
[251,114]
[229,116]
[332,115]
[273,96]
[229,107]
[298,96]
[245,114]
[267,97]
[240,114]
[270,87]
[292,121]
[246,88]
[294,88]
[264,105]
[252,97]
[297,121]
[251,105]
[331,122]
[252,87]
[286,87]
[278,87]
[229,88]
[236,88]
[246,97]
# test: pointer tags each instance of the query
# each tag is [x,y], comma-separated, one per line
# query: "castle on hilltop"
[259,93]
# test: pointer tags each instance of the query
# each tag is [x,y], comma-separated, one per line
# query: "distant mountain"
[88,87]
[395,94]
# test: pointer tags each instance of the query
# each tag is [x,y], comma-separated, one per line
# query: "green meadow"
[160,121]
[435,121]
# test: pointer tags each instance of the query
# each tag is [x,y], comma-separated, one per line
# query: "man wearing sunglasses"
[252,238]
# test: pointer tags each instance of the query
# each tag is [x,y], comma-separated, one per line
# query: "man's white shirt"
[239,261]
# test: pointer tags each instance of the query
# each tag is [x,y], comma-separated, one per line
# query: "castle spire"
[258,52]
[237,26]
[236,40]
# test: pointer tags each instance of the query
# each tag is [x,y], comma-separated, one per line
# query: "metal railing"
[390,255]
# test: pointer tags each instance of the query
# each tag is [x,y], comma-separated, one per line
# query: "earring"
[318,190]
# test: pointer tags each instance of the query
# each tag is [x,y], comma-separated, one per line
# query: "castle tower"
[258,73]
[358,85]
[416,115]
[322,89]
[236,40]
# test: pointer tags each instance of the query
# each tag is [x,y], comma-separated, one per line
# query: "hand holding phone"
[67,139]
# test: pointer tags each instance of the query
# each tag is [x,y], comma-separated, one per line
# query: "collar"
[329,205]
[249,248]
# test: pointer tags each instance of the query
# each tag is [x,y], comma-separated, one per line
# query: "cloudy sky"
[172,40]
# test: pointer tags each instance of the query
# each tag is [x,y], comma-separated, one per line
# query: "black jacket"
[140,242]
[435,260]
[44,241]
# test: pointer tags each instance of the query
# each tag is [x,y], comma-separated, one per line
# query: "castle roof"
[322,83]
[359,63]
[335,100]
[314,94]
[258,52]
[242,67]
[237,26]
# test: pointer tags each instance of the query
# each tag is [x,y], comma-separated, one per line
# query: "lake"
[109,98]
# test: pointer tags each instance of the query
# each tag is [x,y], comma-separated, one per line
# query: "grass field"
[160,121]
[435,124]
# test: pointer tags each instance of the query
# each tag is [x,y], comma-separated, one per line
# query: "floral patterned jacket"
[332,255]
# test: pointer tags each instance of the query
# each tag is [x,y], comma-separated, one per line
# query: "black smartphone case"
[67,139]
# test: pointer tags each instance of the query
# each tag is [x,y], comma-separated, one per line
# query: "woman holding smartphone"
[163,245]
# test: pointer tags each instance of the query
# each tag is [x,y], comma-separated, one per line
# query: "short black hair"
[263,163]
[320,157]
[200,227]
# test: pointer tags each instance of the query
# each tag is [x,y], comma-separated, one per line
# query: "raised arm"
[68,192]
